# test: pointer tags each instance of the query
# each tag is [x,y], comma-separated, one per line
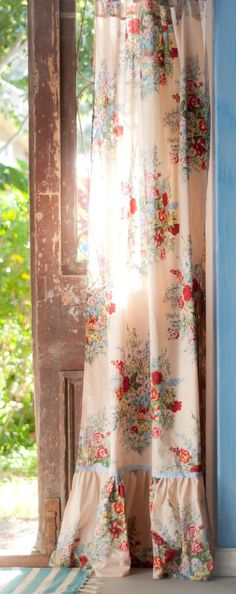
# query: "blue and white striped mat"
[47,580]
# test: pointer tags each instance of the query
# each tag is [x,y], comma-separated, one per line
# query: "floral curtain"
[138,494]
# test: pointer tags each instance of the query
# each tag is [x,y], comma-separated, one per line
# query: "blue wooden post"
[225,185]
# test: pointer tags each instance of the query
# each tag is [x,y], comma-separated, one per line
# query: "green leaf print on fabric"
[145,397]
[94,443]
[189,121]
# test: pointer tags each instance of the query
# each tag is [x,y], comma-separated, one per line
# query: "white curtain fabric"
[138,493]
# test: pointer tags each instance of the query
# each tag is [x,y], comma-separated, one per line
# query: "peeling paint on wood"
[57,300]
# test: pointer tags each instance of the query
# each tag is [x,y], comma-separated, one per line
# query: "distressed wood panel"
[71,385]
[68,135]
[57,299]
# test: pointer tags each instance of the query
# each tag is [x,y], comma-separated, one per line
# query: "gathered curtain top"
[127,8]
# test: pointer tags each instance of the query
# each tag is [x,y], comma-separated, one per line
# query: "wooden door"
[58,281]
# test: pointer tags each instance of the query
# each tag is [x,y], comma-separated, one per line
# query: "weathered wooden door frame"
[58,284]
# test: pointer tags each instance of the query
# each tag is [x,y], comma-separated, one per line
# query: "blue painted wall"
[225,181]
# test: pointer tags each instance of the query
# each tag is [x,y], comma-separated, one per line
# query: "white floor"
[140,582]
[17,536]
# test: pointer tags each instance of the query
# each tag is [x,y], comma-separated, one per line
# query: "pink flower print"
[181,301]
[184,455]
[191,532]
[124,546]
[119,508]
[101,452]
[197,547]
[156,432]
[109,487]
[96,438]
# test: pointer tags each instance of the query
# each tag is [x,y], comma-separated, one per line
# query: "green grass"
[22,462]
[18,497]
[18,484]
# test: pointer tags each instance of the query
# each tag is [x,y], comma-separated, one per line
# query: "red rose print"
[121,490]
[112,308]
[115,529]
[118,130]
[134,429]
[142,410]
[170,554]
[119,507]
[200,146]
[157,539]
[187,293]
[196,468]
[132,206]
[191,85]
[157,377]
[203,125]
[126,384]
[134,26]
[156,193]
[210,565]
[180,301]
[173,334]
[101,452]
[174,52]
[194,102]
[162,215]
[176,97]
[164,199]
[83,561]
[175,230]
[174,158]
[163,79]
[159,237]
[177,405]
